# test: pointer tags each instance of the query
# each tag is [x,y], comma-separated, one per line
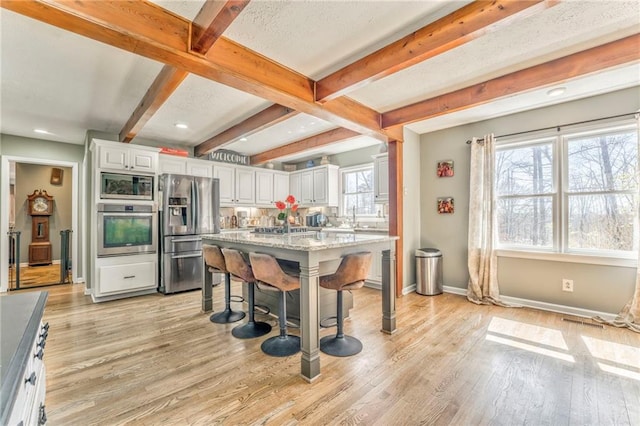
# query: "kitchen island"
[317,253]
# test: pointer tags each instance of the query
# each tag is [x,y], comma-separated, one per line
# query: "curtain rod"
[557,127]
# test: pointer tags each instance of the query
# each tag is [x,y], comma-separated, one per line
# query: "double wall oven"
[127,229]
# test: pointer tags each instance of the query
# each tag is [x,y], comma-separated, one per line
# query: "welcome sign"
[227,156]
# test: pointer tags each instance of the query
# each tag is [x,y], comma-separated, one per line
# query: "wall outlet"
[567,285]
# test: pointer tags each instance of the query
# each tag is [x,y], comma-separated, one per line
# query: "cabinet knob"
[31,379]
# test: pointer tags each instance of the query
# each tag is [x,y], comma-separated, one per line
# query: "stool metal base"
[227,316]
[340,346]
[251,330]
[281,345]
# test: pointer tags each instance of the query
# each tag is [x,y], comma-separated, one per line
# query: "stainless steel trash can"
[428,271]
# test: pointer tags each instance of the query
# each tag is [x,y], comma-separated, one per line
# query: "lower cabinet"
[125,274]
[374,280]
[29,403]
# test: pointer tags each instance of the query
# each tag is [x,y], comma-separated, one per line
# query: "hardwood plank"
[158,360]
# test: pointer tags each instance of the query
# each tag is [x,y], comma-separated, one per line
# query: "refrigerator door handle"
[195,205]
[185,240]
[185,256]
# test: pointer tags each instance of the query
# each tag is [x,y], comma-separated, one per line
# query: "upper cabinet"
[185,166]
[171,164]
[271,186]
[317,186]
[127,158]
[381,177]
[237,184]
[202,168]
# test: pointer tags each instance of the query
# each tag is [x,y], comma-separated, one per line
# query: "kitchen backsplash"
[243,217]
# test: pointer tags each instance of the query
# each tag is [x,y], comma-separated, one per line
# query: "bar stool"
[350,275]
[214,259]
[270,276]
[241,269]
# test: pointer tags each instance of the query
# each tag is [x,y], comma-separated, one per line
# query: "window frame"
[352,169]
[560,251]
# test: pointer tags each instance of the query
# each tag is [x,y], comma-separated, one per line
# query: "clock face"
[40,204]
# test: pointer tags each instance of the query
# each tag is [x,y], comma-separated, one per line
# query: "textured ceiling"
[68,84]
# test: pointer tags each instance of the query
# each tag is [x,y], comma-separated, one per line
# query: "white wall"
[596,288]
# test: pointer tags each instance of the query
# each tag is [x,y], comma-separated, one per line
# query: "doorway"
[40,243]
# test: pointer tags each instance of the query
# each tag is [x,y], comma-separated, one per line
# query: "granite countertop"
[19,326]
[304,241]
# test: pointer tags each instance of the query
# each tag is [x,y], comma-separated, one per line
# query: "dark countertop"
[20,316]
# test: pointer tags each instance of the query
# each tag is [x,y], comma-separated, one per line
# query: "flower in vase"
[287,207]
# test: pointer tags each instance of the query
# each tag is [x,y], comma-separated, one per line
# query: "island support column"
[310,318]
[388,291]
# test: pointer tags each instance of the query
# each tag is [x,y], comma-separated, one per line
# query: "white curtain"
[482,262]
[629,316]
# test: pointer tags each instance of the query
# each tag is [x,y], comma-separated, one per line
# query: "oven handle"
[147,214]
[185,256]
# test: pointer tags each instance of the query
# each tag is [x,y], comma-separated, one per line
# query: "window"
[357,191]
[571,193]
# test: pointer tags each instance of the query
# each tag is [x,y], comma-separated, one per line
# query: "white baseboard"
[543,306]
[410,289]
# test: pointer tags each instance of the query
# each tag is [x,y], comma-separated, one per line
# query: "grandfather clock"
[40,208]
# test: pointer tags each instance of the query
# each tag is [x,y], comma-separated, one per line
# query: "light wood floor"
[157,360]
[36,276]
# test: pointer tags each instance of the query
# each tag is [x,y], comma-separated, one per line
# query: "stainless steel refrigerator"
[189,208]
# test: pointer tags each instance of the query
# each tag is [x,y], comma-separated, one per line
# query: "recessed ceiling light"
[557,91]
[243,139]
[42,131]
[181,126]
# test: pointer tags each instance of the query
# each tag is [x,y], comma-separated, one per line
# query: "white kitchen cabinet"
[169,164]
[125,275]
[381,177]
[374,280]
[237,184]
[295,186]
[196,167]
[185,166]
[271,186]
[280,185]
[127,158]
[317,186]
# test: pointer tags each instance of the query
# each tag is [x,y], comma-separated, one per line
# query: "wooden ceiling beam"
[461,26]
[148,30]
[616,53]
[162,87]
[265,118]
[326,138]
[211,21]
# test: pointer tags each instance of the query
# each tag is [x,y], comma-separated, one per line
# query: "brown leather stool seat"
[240,268]
[350,275]
[214,259]
[270,276]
